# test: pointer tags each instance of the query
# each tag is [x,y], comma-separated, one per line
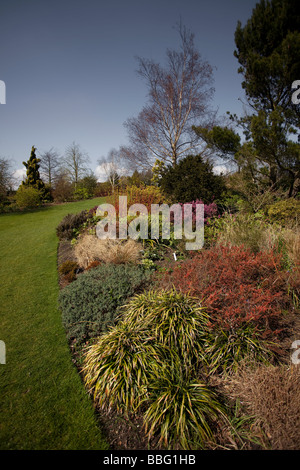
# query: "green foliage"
[90,304]
[80,193]
[157,170]
[221,139]
[86,187]
[149,361]
[181,409]
[226,348]
[192,179]
[70,224]
[268,51]
[285,212]
[28,197]
[33,178]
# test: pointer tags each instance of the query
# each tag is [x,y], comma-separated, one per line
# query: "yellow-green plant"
[176,320]
[227,348]
[117,367]
[181,409]
[150,361]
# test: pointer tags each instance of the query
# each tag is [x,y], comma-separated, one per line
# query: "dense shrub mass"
[28,197]
[236,285]
[137,195]
[71,223]
[90,304]
[192,179]
[285,212]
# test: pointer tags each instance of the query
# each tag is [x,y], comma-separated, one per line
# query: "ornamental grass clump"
[150,362]
[89,248]
[176,320]
[226,348]
[181,409]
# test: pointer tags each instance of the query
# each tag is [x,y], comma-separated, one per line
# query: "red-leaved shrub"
[236,286]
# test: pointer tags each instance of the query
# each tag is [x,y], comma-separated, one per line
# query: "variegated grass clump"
[150,362]
[181,407]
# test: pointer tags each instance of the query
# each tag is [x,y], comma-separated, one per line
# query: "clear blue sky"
[70,70]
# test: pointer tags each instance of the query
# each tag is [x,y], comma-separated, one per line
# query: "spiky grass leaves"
[150,361]
[117,367]
[225,349]
[176,320]
[181,409]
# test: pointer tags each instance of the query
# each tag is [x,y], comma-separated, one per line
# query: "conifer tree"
[33,175]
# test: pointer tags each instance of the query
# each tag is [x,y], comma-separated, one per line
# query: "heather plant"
[210,210]
[71,223]
[235,285]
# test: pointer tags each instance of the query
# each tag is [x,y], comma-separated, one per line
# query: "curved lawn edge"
[43,402]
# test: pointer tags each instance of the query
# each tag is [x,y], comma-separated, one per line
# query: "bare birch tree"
[179,96]
[111,165]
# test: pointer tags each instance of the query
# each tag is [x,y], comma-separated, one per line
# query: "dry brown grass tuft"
[272,395]
[89,248]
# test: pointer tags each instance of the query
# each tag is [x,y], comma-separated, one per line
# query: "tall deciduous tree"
[50,164]
[179,95]
[111,165]
[6,178]
[75,162]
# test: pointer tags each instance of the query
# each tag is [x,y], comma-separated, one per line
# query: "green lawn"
[43,403]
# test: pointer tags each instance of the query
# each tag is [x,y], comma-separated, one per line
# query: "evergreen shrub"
[90,304]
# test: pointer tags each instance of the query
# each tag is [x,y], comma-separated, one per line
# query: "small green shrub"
[90,304]
[285,212]
[28,197]
[70,224]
